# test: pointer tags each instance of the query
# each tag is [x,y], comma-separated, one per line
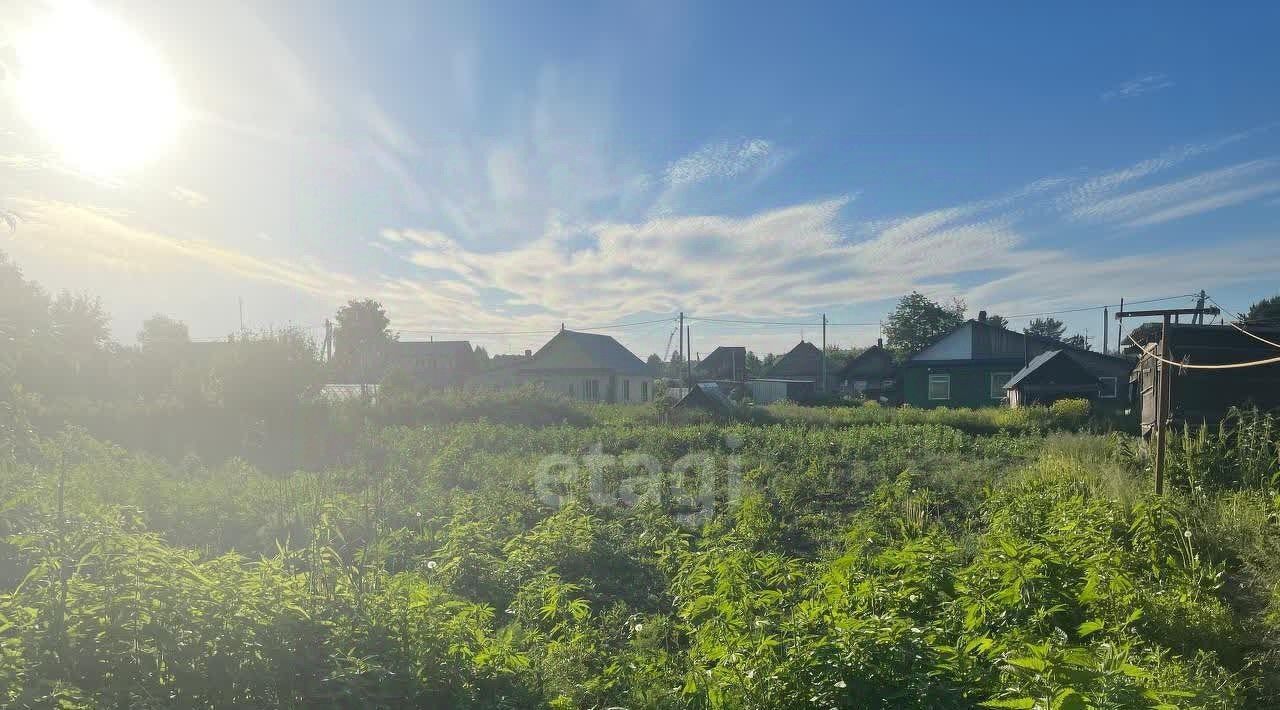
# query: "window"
[887,385]
[626,390]
[1107,387]
[998,381]
[644,391]
[939,386]
[591,390]
[859,385]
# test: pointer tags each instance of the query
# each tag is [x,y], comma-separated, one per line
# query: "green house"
[970,366]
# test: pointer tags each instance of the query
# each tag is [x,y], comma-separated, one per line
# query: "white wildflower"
[1186,534]
[639,628]
[431,564]
[841,684]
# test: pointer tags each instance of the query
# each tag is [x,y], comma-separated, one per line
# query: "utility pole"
[1120,330]
[1163,379]
[1198,319]
[241,300]
[681,329]
[1106,329]
[823,386]
[1162,404]
[688,361]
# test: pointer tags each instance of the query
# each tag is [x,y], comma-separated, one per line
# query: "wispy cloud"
[719,160]
[1138,86]
[192,198]
[1203,192]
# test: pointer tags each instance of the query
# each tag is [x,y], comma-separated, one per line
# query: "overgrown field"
[816,558]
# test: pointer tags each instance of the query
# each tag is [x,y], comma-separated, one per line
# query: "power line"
[1096,308]
[608,326]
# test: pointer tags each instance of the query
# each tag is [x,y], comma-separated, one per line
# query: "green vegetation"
[842,557]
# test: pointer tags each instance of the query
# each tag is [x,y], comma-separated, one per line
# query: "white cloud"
[719,160]
[192,198]
[1200,193]
[1138,86]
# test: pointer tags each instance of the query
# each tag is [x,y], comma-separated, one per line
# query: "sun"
[95,90]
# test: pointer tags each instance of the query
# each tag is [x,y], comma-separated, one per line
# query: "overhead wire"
[1225,366]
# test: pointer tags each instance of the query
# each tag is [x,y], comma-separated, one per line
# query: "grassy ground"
[811,558]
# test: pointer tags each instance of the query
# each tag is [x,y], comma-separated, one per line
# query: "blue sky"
[508,167]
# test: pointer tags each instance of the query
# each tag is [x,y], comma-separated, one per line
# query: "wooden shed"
[1205,396]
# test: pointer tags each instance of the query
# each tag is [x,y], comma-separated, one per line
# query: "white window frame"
[1115,388]
[644,390]
[991,384]
[859,386]
[940,378]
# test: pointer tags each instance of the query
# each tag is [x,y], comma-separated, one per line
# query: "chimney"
[879,342]
[982,316]
[562,327]
[528,352]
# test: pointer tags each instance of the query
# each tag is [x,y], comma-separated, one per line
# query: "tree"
[755,366]
[1050,328]
[998,321]
[162,343]
[1077,341]
[266,373]
[654,363]
[360,335]
[1268,309]
[917,321]
[162,335]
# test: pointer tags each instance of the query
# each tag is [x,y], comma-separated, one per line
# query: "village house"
[970,366]
[724,364]
[796,376]
[585,366]
[872,374]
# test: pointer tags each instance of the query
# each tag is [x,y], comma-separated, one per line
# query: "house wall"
[970,383]
[609,387]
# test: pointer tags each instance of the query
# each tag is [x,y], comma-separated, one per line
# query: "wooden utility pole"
[681,329]
[1106,330]
[1162,405]
[1119,330]
[1164,379]
[688,358]
[823,386]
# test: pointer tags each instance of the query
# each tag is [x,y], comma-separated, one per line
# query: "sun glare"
[91,86]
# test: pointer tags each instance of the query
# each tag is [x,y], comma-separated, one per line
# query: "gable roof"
[709,398]
[726,361]
[867,359]
[976,340]
[422,348]
[804,360]
[572,350]
[1062,362]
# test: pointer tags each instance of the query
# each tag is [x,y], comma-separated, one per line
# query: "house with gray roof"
[585,366]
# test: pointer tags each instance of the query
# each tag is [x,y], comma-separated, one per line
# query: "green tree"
[998,321]
[161,334]
[360,336]
[1268,309]
[1050,328]
[917,321]
[163,343]
[266,373]
[1077,341]
[654,363]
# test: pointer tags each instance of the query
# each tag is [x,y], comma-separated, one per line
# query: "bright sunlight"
[103,98]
